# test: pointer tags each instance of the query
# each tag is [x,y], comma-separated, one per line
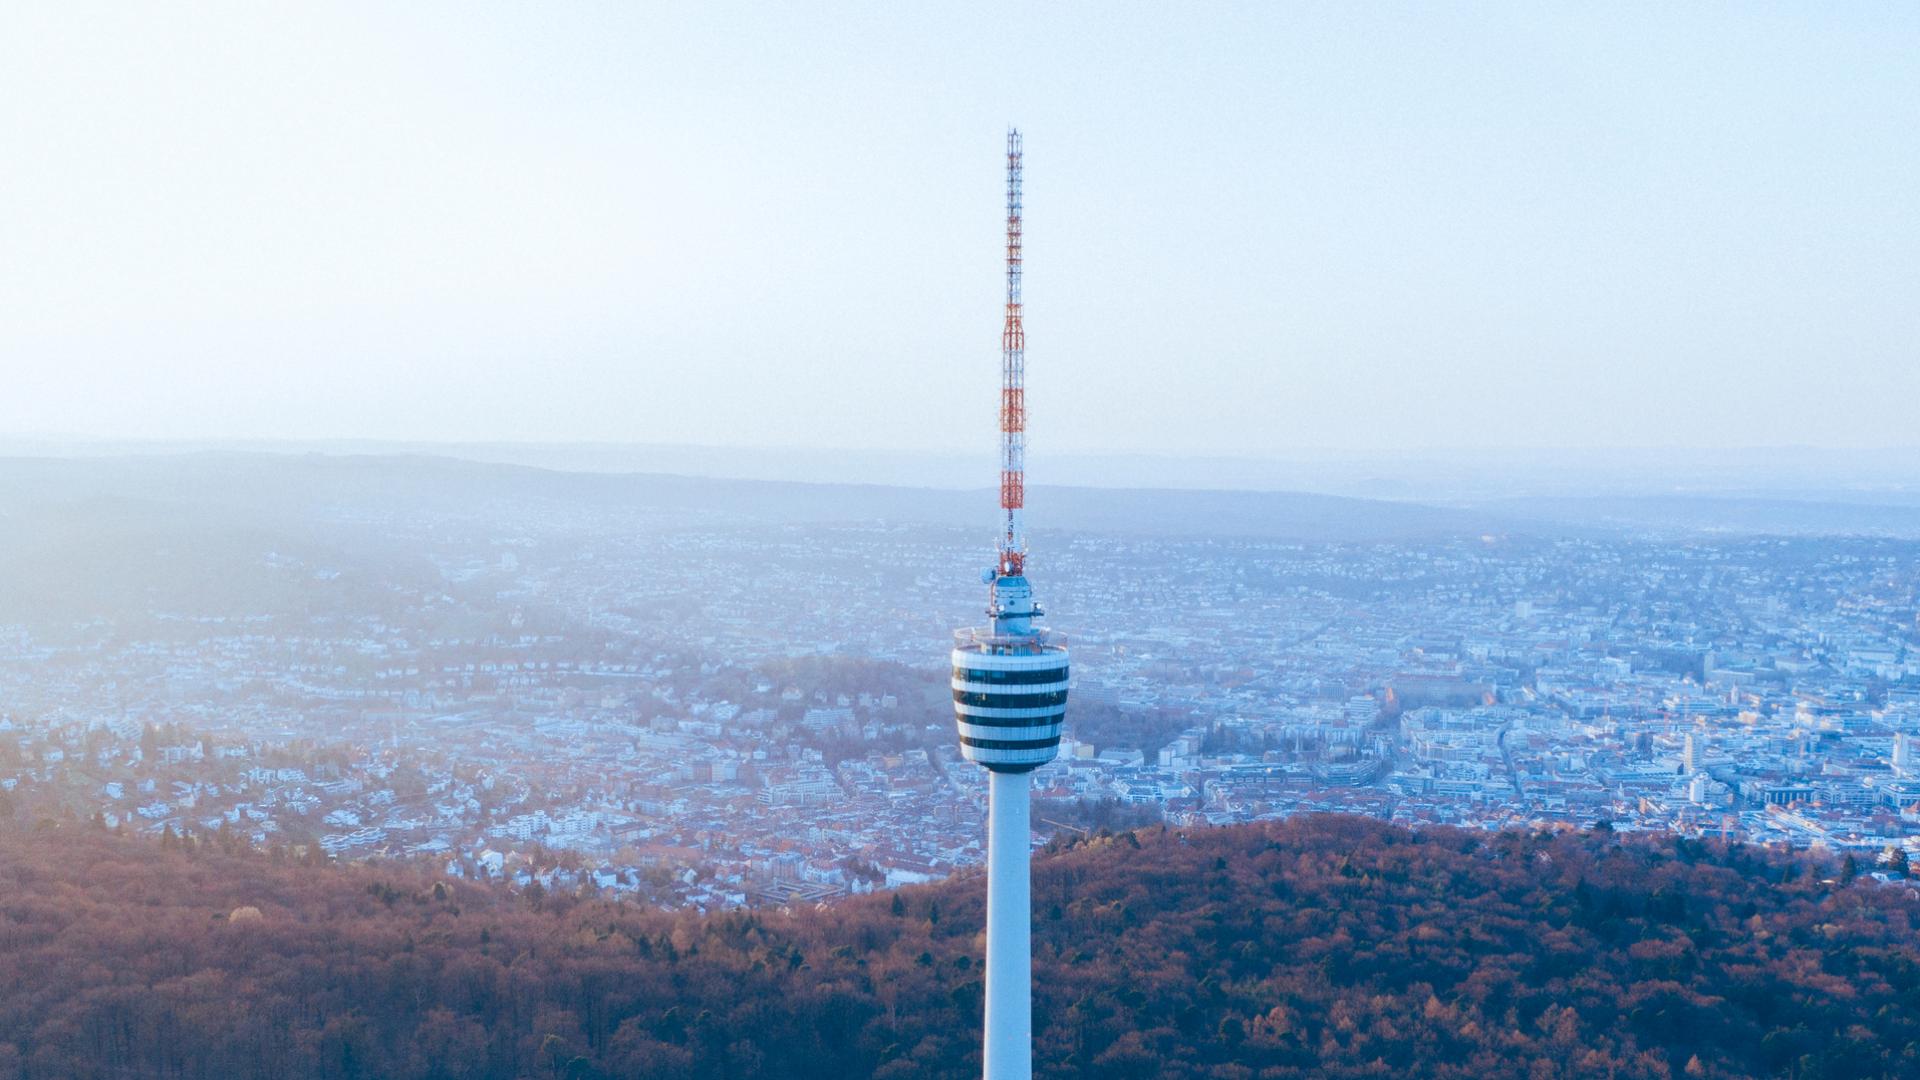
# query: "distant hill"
[1318,947]
[189,531]
[280,483]
[1742,516]
[192,533]
[286,491]
[281,486]
[1432,475]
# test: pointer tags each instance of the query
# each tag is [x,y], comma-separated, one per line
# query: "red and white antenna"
[1013,385]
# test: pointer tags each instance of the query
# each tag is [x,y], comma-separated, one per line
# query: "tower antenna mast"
[1013,384]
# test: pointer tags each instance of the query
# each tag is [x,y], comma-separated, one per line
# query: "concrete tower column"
[1009,1042]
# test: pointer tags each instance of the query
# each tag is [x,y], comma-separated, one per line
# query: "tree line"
[1324,946]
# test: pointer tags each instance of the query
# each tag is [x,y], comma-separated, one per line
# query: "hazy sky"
[1250,229]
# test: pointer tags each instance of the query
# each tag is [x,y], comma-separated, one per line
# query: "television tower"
[1009,698]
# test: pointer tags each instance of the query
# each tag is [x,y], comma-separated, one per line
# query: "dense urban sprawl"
[726,712]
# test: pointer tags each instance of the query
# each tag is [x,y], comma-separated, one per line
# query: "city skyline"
[350,665]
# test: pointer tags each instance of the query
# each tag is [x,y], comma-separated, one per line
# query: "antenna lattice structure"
[1013,383]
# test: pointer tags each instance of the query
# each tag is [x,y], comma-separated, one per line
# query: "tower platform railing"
[982,638]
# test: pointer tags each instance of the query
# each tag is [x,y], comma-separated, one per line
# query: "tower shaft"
[1009,1036]
[1013,384]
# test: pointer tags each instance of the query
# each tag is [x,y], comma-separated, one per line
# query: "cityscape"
[618,697]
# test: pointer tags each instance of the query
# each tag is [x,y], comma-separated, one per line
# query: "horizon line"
[986,450]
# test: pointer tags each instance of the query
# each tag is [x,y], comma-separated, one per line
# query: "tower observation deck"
[1009,692]
[1010,697]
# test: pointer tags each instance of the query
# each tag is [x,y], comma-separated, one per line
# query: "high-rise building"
[1009,699]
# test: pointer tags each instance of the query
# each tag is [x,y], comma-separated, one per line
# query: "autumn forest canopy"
[1322,946]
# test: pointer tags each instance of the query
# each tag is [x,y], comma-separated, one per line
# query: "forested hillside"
[1318,947]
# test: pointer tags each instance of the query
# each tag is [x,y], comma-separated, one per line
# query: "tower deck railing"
[1038,640]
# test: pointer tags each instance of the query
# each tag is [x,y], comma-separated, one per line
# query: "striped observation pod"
[1009,701]
[1009,684]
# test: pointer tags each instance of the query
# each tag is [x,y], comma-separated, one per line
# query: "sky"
[1251,229]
